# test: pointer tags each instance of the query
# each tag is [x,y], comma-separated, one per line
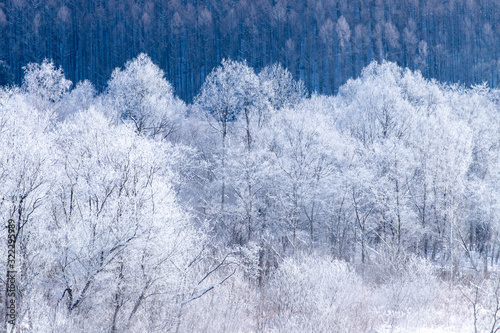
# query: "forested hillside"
[321,42]
[256,208]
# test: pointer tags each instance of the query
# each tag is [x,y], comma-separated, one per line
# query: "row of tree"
[392,163]
[321,42]
[139,211]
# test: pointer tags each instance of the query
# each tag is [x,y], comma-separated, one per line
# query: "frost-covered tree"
[280,87]
[235,109]
[377,107]
[272,207]
[45,85]
[306,151]
[79,98]
[119,234]
[140,94]
[411,140]
[26,162]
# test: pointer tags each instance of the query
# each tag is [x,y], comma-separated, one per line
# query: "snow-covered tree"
[26,162]
[140,94]
[306,151]
[120,235]
[45,85]
[82,97]
[235,109]
[263,209]
[280,87]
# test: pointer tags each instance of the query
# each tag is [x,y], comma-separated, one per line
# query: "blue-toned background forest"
[322,42]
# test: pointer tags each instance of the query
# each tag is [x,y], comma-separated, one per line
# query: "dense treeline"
[322,42]
[254,208]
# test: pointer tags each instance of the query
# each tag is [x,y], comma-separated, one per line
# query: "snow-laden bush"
[317,294]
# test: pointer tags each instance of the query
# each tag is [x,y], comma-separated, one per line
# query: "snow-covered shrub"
[317,294]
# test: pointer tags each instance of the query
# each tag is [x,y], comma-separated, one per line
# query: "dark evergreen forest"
[322,42]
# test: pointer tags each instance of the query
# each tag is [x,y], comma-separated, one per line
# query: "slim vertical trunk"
[223,186]
[118,301]
[249,181]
